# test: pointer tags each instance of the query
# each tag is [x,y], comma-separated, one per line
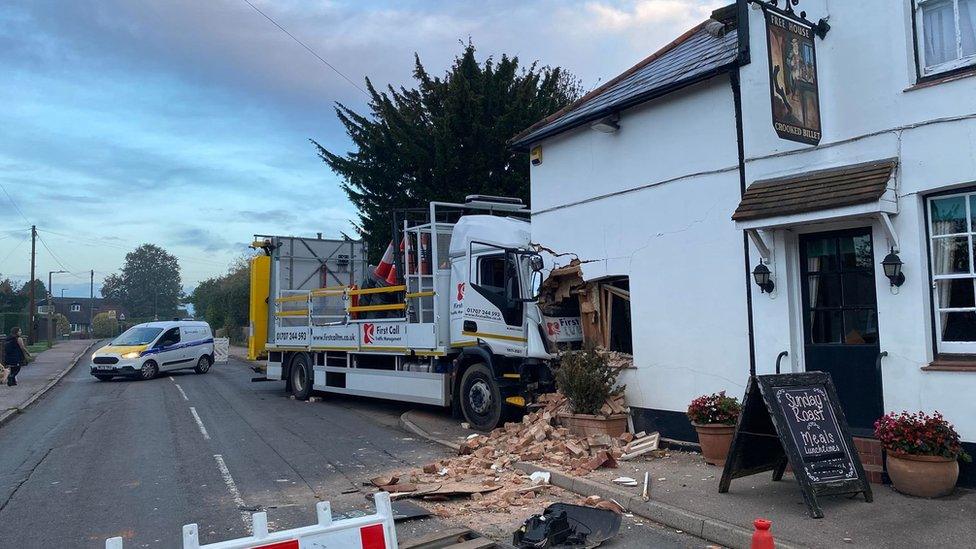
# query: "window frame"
[939,347]
[962,64]
[75,307]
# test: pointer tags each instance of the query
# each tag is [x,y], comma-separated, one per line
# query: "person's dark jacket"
[13,355]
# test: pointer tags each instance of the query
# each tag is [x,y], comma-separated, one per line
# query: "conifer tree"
[445,138]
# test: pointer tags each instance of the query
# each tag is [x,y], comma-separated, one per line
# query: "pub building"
[788,188]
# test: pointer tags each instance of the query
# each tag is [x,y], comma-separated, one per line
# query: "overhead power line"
[58,259]
[14,249]
[14,202]
[302,44]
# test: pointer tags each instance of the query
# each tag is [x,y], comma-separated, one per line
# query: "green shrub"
[587,381]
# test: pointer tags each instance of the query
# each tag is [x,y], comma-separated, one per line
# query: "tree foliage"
[223,301]
[148,284]
[104,326]
[14,297]
[444,139]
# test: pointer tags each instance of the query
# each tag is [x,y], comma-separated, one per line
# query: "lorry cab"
[448,317]
[145,350]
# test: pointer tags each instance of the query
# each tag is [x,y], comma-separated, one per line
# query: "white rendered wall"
[675,240]
[869,112]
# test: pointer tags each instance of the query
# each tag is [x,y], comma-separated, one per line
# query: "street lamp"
[50,306]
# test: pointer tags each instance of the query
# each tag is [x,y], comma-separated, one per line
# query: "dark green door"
[840,317]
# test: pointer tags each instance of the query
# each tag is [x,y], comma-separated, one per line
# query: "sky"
[186,123]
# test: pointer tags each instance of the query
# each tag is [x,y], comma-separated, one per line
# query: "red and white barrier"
[374,531]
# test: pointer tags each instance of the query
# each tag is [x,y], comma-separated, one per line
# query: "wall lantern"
[607,124]
[763,278]
[892,269]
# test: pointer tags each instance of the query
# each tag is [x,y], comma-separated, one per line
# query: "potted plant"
[922,453]
[714,418]
[587,380]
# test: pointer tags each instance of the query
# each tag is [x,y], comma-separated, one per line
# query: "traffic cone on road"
[762,538]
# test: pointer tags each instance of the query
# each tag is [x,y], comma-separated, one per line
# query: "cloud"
[185,123]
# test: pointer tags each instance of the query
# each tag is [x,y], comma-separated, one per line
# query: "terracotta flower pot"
[584,425]
[715,440]
[922,476]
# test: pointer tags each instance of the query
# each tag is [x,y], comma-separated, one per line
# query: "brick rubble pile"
[484,470]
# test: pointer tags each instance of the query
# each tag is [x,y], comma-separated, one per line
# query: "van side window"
[171,337]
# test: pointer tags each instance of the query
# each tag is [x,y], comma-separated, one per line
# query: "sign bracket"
[821,27]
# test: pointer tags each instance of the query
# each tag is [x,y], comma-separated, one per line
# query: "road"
[92,460]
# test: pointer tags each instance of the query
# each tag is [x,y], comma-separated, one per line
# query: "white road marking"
[180,389]
[196,416]
[234,492]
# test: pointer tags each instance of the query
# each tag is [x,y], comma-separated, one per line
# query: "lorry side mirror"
[535,263]
[535,285]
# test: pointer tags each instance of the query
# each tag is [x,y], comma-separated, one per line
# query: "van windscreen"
[138,335]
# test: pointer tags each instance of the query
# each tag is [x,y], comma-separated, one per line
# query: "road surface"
[92,460]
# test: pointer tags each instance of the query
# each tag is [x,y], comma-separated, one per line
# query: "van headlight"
[133,354]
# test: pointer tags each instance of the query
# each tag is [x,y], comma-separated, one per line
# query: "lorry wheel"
[149,370]
[203,365]
[481,401]
[300,377]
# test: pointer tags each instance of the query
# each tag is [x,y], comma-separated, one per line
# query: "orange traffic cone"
[391,278]
[386,263]
[762,538]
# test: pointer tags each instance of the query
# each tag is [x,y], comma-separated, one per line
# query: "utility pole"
[91,306]
[50,305]
[31,305]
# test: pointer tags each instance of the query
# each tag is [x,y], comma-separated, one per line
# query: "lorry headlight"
[133,354]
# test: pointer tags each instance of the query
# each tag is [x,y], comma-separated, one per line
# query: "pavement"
[684,495]
[139,459]
[40,375]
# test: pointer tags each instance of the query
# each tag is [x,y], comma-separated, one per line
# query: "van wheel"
[300,377]
[203,365]
[149,370]
[481,400]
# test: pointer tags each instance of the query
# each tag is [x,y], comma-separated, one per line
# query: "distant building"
[80,310]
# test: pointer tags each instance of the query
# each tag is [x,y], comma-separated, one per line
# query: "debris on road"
[537,438]
[567,525]
[625,481]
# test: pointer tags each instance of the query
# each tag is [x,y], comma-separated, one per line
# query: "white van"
[145,350]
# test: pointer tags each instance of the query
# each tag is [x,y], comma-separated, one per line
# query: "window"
[945,31]
[951,229]
[75,307]
[171,337]
[498,282]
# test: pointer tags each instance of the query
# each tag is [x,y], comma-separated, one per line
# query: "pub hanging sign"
[793,77]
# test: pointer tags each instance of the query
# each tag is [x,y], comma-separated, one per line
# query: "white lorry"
[458,326]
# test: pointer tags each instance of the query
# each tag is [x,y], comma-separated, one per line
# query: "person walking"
[15,355]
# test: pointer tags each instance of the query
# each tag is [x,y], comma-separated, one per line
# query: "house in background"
[772,196]
[80,310]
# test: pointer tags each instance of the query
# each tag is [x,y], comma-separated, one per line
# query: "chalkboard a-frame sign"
[795,419]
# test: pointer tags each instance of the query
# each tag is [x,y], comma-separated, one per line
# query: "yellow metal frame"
[329,290]
[388,289]
[299,312]
[413,295]
[291,298]
[386,307]
[260,276]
